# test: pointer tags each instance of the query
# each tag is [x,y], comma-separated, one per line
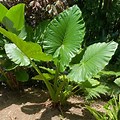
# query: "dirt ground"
[34,104]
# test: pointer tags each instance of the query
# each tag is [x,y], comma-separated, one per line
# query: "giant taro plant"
[10,72]
[62,43]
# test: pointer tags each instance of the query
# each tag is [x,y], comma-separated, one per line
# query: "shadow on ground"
[34,104]
[32,95]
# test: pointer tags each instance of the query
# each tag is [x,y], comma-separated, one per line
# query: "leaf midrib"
[93,55]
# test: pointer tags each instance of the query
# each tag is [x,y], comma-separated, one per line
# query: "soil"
[34,104]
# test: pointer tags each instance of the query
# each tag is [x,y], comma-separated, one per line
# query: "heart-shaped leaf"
[96,57]
[64,35]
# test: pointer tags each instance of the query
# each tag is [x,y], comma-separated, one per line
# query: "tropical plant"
[102,24]
[112,110]
[9,70]
[110,79]
[93,88]
[61,42]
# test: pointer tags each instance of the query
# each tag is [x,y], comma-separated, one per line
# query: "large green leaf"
[15,54]
[16,15]
[96,57]
[3,12]
[31,50]
[64,35]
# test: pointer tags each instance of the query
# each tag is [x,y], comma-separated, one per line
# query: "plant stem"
[7,80]
[76,91]
[56,77]
[75,87]
[50,89]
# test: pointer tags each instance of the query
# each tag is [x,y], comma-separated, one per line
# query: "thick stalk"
[59,90]
[56,77]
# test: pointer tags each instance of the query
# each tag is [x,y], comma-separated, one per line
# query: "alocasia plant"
[62,41]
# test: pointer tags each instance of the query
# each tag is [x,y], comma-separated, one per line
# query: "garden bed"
[34,104]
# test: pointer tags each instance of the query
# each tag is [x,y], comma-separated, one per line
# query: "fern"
[111,79]
[96,91]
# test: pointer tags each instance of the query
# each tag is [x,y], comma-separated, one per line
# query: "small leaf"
[37,77]
[9,65]
[15,54]
[94,82]
[110,73]
[117,81]
[22,34]
[22,75]
[46,76]
[90,83]
[3,12]
[51,71]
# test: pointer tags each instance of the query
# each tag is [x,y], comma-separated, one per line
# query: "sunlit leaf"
[51,71]
[30,49]
[117,81]
[96,57]
[16,15]
[3,11]
[15,54]
[64,35]
[47,76]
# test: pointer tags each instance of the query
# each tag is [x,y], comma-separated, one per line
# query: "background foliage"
[102,22]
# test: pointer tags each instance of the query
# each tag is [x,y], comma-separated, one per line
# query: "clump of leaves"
[8,68]
[61,42]
[93,88]
[111,80]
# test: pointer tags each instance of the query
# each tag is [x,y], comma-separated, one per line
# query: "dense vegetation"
[67,47]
